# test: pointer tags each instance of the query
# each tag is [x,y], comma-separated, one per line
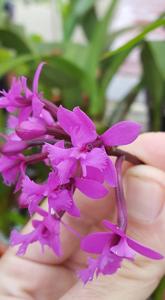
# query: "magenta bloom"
[88,148]
[20,98]
[67,143]
[112,246]
[31,129]
[82,130]
[11,168]
[46,232]
[68,169]
[60,198]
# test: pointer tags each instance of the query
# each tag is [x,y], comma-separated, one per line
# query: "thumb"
[145,194]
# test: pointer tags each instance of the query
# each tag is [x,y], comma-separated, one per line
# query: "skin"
[46,277]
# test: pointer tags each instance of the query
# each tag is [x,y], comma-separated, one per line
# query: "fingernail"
[144,193]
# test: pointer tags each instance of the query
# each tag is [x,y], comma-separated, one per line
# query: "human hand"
[45,277]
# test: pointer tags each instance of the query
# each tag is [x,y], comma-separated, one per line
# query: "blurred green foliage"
[78,74]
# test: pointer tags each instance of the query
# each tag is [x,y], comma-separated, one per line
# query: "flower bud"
[31,129]
[13,147]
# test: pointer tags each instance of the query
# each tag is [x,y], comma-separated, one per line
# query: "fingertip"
[149,147]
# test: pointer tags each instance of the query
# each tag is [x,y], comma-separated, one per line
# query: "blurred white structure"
[39,18]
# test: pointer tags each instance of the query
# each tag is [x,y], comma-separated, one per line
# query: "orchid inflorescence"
[78,158]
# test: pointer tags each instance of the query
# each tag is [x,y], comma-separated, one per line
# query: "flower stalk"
[120,199]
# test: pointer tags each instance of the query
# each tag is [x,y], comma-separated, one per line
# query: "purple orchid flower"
[21,98]
[12,168]
[12,145]
[46,232]
[82,130]
[60,198]
[113,247]
[66,142]
[88,147]
[64,161]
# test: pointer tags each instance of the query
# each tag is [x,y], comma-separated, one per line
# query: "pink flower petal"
[47,117]
[12,121]
[12,147]
[29,187]
[145,251]
[97,158]
[88,274]
[57,154]
[53,181]
[87,125]
[32,128]
[37,106]
[66,169]
[36,77]
[95,242]
[110,173]
[91,188]
[123,250]
[122,133]
[66,119]
[94,174]
[77,125]
[114,228]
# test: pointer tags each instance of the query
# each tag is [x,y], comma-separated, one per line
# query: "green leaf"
[13,63]
[60,72]
[116,33]
[155,84]
[2,121]
[5,54]
[72,12]
[82,7]
[2,3]
[159,293]
[48,48]
[97,103]
[89,22]
[137,39]
[71,97]
[12,39]
[158,52]
[76,54]
[98,40]
[110,66]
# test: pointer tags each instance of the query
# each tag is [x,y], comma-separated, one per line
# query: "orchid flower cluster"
[78,158]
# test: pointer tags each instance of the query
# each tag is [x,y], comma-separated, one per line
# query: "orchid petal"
[123,250]
[94,174]
[66,119]
[97,158]
[32,128]
[91,188]
[95,242]
[110,173]
[145,251]
[37,106]
[36,77]
[66,169]
[122,133]
[114,228]
[57,154]
[86,125]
